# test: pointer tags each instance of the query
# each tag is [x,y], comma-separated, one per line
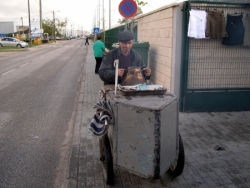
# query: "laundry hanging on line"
[235,30]
[215,27]
[197,24]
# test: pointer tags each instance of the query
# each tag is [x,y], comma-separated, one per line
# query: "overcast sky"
[80,13]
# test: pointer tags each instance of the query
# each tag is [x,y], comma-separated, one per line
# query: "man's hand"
[121,72]
[147,71]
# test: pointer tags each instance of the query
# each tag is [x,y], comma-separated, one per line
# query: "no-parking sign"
[128,8]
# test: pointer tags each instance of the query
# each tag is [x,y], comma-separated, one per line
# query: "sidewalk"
[201,132]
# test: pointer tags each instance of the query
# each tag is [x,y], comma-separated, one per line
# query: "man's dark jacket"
[107,69]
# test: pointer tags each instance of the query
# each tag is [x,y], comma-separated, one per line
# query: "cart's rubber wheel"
[101,149]
[107,160]
[177,167]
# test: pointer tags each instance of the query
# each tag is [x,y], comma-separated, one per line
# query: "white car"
[12,42]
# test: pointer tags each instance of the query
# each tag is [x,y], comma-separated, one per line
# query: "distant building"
[20,28]
[6,27]
[86,33]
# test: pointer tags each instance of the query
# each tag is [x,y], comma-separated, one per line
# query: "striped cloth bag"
[102,118]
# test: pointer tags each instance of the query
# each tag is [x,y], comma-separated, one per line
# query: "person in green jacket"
[98,48]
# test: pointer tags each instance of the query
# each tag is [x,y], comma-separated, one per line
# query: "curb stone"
[75,148]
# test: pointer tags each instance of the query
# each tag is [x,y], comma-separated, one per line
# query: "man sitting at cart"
[127,58]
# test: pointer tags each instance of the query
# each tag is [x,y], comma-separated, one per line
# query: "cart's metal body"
[145,137]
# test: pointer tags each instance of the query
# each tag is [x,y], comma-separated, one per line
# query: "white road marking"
[8,72]
[32,61]
[24,64]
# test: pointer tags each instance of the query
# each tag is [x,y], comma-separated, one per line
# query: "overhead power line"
[26,16]
[43,6]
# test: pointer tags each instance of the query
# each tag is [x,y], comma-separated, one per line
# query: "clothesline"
[207,6]
[207,10]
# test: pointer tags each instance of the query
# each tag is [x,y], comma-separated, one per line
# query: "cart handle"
[116,64]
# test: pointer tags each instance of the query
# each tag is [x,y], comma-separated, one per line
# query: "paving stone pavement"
[201,133]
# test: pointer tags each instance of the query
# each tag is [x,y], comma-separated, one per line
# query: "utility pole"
[54,30]
[29,35]
[22,23]
[96,18]
[99,13]
[71,30]
[109,14]
[41,21]
[66,21]
[103,22]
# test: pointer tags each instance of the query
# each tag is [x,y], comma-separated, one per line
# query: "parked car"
[65,38]
[52,38]
[12,42]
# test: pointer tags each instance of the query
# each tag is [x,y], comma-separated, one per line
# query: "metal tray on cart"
[150,90]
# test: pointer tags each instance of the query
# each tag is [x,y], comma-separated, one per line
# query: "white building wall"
[159,28]
[6,27]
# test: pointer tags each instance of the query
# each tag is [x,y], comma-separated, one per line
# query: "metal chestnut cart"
[144,138]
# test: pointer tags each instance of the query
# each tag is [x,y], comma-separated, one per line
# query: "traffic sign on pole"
[128,8]
[96,30]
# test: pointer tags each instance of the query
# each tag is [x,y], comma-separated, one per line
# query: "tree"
[140,4]
[59,26]
[48,26]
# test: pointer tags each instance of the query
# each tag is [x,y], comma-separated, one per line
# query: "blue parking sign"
[96,30]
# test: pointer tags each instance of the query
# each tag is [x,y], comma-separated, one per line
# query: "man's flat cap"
[125,36]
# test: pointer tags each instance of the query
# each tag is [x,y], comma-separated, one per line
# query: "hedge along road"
[38,91]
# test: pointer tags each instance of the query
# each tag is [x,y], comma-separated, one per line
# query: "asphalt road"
[38,91]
